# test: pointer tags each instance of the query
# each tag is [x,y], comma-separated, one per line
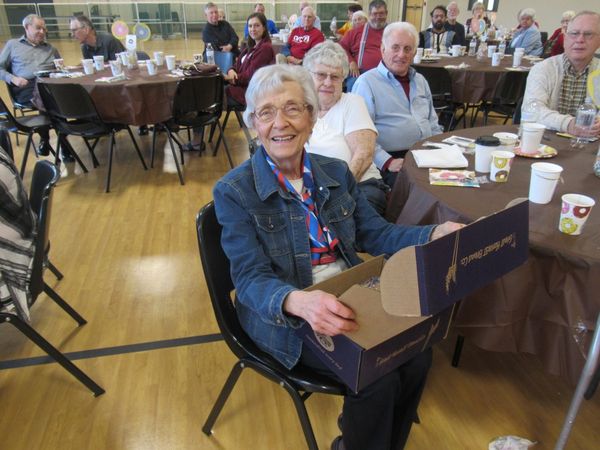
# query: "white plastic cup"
[116,67]
[417,59]
[484,146]
[151,66]
[197,58]
[532,137]
[517,59]
[496,58]
[574,212]
[491,50]
[544,178]
[170,60]
[456,50]
[124,58]
[420,51]
[98,63]
[520,50]
[88,66]
[59,64]
[159,58]
[501,164]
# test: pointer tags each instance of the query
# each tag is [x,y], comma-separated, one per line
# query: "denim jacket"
[266,241]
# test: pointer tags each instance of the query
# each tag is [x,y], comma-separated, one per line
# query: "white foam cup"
[456,50]
[517,59]
[99,63]
[544,178]
[170,60]
[88,66]
[116,67]
[160,58]
[151,66]
[496,58]
[532,137]
[491,50]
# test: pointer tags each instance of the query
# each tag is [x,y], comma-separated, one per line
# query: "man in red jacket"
[303,38]
[363,44]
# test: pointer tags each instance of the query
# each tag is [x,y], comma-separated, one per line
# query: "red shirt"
[261,55]
[301,41]
[372,53]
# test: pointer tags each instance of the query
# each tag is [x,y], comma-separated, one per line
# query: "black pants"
[380,416]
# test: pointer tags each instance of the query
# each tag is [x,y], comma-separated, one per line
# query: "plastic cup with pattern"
[575,210]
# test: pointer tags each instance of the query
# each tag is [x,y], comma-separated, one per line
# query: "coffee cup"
[508,141]
[501,164]
[496,58]
[151,66]
[159,57]
[544,178]
[98,62]
[574,212]
[124,58]
[491,50]
[170,60]
[88,66]
[456,50]
[484,146]
[517,59]
[532,137]
[59,64]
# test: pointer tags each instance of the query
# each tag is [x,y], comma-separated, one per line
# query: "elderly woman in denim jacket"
[291,219]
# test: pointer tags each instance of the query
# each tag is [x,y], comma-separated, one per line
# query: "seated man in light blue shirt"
[298,22]
[398,99]
[271,27]
[527,36]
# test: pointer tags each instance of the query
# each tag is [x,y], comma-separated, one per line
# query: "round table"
[548,306]
[478,81]
[141,99]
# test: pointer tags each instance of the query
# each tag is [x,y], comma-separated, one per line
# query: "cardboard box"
[418,286]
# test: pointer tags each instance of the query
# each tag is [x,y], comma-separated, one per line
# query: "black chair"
[142,56]
[440,84]
[72,112]
[238,111]
[299,382]
[22,107]
[509,91]
[198,103]
[26,124]
[45,177]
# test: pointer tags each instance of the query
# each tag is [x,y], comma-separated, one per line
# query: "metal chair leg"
[307,429]
[64,305]
[222,398]
[26,153]
[175,158]
[110,161]
[137,149]
[37,339]
[57,273]
[222,135]
[460,340]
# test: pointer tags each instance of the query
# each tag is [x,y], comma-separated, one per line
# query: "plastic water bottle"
[333,26]
[584,119]
[502,47]
[482,51]
[210,54]
[597,163]
[529,113]
[473,46]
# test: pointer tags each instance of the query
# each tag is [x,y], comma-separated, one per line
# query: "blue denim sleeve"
[257,286]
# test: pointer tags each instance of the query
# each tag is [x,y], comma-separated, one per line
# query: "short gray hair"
[29,18]
[568,15]
[209,5]
[400,26]
[269,78]
[587,13]
[527,12]
[477,5]
[329,54]
[360,14]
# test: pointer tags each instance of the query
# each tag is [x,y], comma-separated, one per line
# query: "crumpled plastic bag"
[510,443]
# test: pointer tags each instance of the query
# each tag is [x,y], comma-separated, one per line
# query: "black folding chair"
[45,177]
[299,382]
[440,84]
[508,93]
[198,103]
[22,107]
[72,112]
[27,125]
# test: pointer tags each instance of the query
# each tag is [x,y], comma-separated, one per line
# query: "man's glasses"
[587,35]
[290,110]
[322,76]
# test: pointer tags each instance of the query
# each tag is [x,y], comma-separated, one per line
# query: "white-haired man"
[303,38]
[398,99]
[559,83]
[219,33]
[21,58]
[527,36]
[298,22]
[452,23]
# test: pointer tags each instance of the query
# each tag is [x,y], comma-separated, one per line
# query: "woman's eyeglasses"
[289,110]
[322,76]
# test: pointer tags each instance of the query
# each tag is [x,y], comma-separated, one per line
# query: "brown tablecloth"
[478,81]
[548,306]
[140,100]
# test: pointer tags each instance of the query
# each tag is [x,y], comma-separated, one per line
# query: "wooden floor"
[131,268]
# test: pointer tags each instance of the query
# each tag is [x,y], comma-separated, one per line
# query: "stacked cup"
[517,56]
[170,60]
[159,57]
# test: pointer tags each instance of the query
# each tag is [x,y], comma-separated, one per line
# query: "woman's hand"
[354,71]
[323,311]
[231,76]
[445,228]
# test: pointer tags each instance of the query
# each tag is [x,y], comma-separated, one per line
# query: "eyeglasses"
[587,35]
[290,110]
[322,76]
[73,30]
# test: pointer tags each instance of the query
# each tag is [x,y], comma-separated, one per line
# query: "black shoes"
[143,130]
[44,148]
[66,157]
[189,147]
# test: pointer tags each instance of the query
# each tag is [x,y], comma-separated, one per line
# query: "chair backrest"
[45,176]
[199,95]
[13,98]
[220,286]
[6,116]
[438,78]
[68,102]
[224,60]
[510,88]
[142,56]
